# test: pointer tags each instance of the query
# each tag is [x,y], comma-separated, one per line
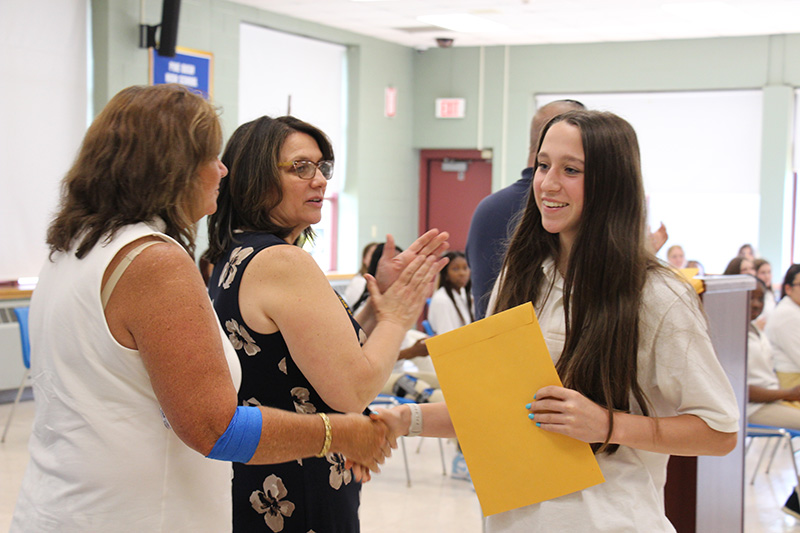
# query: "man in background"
[492,222]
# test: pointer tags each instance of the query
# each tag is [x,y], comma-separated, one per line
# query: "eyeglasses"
[308,169]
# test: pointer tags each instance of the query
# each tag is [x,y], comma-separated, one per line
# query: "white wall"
[311,79]
[42,120]
[700,165]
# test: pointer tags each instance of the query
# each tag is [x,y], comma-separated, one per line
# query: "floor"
[433,502]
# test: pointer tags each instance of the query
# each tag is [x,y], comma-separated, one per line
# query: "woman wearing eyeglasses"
[300,348]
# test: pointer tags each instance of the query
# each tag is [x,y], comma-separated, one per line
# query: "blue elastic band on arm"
[240,440]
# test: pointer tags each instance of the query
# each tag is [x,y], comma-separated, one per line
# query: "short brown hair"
[138,161]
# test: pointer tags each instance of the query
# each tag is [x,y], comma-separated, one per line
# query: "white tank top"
[102,456]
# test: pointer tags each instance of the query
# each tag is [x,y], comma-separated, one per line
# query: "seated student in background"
[740,265]
[451,305]
[676,257]
[764,273]
[358,284]
[767,403]
[783,330]
[693,263]
[746,251]
[766,400]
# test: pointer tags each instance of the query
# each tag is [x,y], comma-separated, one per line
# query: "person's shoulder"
[439,293]
[508,194]
[785,311]
[665,287]
[502,197]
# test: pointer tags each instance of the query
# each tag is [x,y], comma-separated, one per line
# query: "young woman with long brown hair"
[628,338]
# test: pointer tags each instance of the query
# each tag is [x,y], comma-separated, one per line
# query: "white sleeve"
[784,335]
[678,364]
[442,313]
[354,289]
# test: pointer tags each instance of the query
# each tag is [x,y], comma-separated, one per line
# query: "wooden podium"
[706,494]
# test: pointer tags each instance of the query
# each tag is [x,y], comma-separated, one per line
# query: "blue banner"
[191,68]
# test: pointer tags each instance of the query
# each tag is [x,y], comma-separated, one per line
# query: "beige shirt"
[679,373]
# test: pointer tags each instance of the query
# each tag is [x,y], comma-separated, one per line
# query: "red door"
[452,183]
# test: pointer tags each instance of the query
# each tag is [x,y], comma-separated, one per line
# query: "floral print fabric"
[313,494]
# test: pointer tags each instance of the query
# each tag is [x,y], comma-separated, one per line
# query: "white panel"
[278,69]
[701,161]
[42,121]
[275,66]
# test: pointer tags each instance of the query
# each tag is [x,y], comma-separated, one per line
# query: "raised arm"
[160,308]
[758,394]
[391,264]
[284,290]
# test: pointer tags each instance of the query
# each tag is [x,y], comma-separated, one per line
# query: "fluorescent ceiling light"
[463,22]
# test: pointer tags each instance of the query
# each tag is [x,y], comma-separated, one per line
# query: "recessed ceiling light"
[464,22]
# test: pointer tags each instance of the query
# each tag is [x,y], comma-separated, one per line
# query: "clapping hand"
[391,263]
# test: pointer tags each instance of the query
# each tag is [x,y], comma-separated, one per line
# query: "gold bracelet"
[326,446]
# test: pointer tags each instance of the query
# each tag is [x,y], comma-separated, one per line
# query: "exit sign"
[450,107]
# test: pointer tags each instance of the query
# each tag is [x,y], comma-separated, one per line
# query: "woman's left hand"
[569,413]
[360,473]
[392,264]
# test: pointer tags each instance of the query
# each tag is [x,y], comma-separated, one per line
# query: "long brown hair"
[253,186]
[138,161]
[606,272]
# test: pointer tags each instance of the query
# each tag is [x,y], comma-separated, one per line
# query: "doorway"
[452,183]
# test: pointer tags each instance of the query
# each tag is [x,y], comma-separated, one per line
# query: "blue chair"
[783,435]
[22,319]
[426,325]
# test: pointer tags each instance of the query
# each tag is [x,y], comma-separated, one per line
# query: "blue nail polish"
[534,396]
[527,406]
[538,425]
[530,416]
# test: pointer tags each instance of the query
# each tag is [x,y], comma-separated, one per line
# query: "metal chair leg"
[405,460]
[760,459]
[778,444]
[441,454]
[16,401]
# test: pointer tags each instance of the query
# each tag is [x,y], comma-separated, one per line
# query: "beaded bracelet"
[326,446]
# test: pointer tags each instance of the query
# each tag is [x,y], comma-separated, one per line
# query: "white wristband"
[415,427]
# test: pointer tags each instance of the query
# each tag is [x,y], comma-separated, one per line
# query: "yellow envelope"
[690,275]
[488,371]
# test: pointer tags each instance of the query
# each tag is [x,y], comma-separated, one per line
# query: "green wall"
[382,189]
[764,62]
[382,184]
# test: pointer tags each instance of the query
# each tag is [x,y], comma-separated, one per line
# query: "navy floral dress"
[312,494]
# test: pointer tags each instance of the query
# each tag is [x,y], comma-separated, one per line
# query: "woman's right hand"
[362,440]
